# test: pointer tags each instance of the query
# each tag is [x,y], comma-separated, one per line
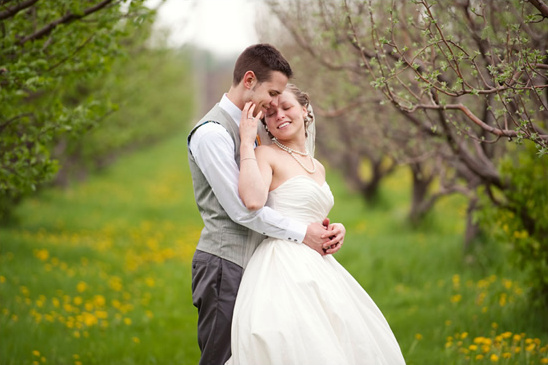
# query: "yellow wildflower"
[81,287]
[42,254]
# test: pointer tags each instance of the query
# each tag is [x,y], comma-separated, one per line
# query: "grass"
[99,273]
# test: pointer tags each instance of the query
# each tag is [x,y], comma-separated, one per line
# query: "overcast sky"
[225,27]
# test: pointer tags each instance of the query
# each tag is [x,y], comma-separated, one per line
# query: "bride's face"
[287,118]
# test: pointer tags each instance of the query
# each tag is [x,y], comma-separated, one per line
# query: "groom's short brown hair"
[262,59]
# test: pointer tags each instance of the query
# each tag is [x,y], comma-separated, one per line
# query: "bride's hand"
[336,233]
[248,124]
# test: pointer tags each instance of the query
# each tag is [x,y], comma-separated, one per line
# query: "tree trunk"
[472,229]
[421,183]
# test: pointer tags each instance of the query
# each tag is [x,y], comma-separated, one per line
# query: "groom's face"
[265,94]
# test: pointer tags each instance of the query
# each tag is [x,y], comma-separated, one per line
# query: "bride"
[296,305]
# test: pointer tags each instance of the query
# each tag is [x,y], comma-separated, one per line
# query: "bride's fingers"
[250,111]
[333,249]
[246,108]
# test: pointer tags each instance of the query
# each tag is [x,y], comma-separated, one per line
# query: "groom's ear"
[249,80]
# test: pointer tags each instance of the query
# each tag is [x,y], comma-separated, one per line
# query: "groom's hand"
[315,237]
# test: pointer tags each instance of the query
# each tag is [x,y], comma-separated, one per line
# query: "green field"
[99,273]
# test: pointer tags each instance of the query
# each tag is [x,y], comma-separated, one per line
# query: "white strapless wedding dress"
[296,307]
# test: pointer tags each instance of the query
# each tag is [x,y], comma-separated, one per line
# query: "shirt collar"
[231,109]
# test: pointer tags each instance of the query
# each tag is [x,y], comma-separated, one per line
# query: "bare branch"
[5,124]
[67,18]
[17,8]
[541,6]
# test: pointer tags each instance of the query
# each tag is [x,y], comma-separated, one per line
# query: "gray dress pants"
[215,283]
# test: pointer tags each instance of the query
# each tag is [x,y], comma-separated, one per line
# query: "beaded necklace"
[292,152]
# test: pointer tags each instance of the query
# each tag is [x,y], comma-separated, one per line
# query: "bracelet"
[247,158]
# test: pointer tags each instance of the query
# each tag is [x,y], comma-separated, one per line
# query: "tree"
[464,75]
[51,51]
[467,76]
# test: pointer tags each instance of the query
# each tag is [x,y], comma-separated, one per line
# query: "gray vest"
[220,236]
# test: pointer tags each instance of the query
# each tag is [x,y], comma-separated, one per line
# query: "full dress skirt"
[296,307]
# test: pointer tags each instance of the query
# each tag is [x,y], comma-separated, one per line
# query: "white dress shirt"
[213,151]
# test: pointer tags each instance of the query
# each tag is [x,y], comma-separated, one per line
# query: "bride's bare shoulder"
[266,150]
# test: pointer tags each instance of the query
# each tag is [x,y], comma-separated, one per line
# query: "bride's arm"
[255,170]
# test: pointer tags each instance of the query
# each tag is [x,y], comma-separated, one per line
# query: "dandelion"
[24,290]
[503,299]
[494,358]
[127,321]
[456,281]
[418,336]
[99,301]
[136,340]
[115,283]
[81,287]
[42,254]
[36,353]
[456,298]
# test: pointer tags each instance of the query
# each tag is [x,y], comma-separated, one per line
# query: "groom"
[232,232]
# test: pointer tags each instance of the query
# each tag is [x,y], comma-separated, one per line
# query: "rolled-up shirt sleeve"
[213,151]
